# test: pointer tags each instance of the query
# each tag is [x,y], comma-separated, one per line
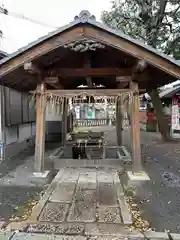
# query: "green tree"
[156,23]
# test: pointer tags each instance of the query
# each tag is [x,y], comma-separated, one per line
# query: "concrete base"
[68,137]
[141,176]
[41,174]
[41,177]
[23,176]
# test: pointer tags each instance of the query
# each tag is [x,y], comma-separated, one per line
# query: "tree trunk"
[162,121]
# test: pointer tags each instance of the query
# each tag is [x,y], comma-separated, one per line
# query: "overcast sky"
[17,33]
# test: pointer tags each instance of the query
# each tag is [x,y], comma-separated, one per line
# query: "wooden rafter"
[132,49]
[92,33]
[32,68]
[53,82]
[87,65]
[139,70]
[91,72]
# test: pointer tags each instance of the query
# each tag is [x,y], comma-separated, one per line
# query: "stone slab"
[138,177]
[100,229]
[38,208]
[62,228]
[87,185]
[35,236]
[107,194]
[73,163]
[54,212]
[104,177]
[87,179]
[84,206]
[110,238]
[117,184]
[175,236]
[87,176]
[17,226]
[2,224]
[70,175]
[63,193]
[109,215]
[125,212]
[41,174]
[156,235]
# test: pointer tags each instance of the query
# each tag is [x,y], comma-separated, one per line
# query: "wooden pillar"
[64,122]
[40,129]
[135,129]
[119,121]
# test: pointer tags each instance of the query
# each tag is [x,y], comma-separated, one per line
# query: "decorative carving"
[84,45]
[84,16]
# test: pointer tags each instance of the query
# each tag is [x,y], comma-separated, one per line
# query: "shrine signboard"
[175,123]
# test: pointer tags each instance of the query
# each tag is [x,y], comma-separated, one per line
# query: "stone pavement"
[124,235]
[160,196]
[81,200]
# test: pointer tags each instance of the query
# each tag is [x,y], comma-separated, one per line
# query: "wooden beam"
[123,79]
[134,50]
[138,70]
[40,50]
[119,121]
[105,37]
[64,121]
[40,129]
[93,92]
[140,66]
[51,80]
[87,65]
[135,129]
[91,72]
[54,82]
[31,68]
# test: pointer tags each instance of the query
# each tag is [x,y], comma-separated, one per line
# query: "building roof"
[49,47]
[164,93]
[91,20]
[169,92]
[3,54]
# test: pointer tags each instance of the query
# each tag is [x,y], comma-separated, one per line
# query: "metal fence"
[90,122]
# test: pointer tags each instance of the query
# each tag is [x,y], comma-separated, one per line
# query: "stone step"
[88,229]
[96,163]
[125,235]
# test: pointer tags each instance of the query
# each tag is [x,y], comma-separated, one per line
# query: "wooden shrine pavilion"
[85,52]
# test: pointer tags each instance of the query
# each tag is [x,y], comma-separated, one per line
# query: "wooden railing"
[90,122]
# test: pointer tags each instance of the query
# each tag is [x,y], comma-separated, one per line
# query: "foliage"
[155,22]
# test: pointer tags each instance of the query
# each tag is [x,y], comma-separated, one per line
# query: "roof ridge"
[86,18]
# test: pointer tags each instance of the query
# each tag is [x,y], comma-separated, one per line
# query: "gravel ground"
[159,198]
[16,202]
[12,163]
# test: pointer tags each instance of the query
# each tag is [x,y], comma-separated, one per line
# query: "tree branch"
[171,45]
[161,12]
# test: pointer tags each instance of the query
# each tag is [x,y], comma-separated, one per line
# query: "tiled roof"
[86,18]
